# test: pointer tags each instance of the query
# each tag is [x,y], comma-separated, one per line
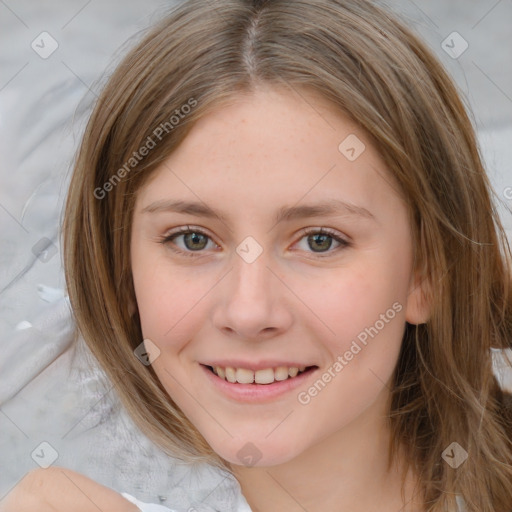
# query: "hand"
[61,490]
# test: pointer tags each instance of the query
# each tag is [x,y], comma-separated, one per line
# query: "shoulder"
[61,489]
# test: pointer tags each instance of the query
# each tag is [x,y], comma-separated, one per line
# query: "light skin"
[56,489]
[302,298]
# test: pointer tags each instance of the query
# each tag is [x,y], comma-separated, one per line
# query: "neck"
[347,471]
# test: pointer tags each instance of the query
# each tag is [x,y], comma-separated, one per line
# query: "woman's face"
[254,288]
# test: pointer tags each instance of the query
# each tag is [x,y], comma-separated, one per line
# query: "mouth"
[257,386]
[264,376]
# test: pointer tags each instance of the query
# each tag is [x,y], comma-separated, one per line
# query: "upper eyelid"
[327,231]
[303,231]
[183,230]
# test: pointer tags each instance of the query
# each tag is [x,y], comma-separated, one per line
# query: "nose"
[252,302]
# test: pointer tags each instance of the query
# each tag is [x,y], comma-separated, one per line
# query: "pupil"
[194,237]
[324,237]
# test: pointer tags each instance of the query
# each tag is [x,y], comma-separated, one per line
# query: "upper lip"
[252,365]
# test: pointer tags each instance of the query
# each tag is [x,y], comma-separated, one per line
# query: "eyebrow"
[329,207]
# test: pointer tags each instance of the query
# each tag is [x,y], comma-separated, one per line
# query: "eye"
[319,240]
[194,240]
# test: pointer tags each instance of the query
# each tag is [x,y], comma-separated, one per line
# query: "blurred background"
[55,405]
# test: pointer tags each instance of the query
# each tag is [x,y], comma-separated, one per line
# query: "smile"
[257,386]
[264,376]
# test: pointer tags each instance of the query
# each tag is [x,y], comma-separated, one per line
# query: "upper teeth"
[266,376]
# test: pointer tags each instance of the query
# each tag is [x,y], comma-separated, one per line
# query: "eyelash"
[165,240]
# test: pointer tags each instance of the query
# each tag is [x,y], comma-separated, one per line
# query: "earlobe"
[132,308]
[418,301]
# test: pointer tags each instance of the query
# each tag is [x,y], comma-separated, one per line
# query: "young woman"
[281,245]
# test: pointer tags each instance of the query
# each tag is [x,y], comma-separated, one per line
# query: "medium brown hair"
[375,70]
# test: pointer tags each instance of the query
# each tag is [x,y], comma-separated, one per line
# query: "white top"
[243,506]
[146,507]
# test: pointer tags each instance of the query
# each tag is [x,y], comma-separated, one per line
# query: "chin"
[257,453]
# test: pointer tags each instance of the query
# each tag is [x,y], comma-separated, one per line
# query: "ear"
[132,308]
[418,304]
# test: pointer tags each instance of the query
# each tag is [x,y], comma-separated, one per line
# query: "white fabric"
[243,506]
[240,505]
[461,504]
[146,507]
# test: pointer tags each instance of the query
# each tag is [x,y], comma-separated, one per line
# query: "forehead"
[270,148]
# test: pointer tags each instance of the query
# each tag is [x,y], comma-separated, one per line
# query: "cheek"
[347,305]
[365,309]
[169,303]
[370,326]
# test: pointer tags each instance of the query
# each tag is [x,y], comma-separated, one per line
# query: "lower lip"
[252,393]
